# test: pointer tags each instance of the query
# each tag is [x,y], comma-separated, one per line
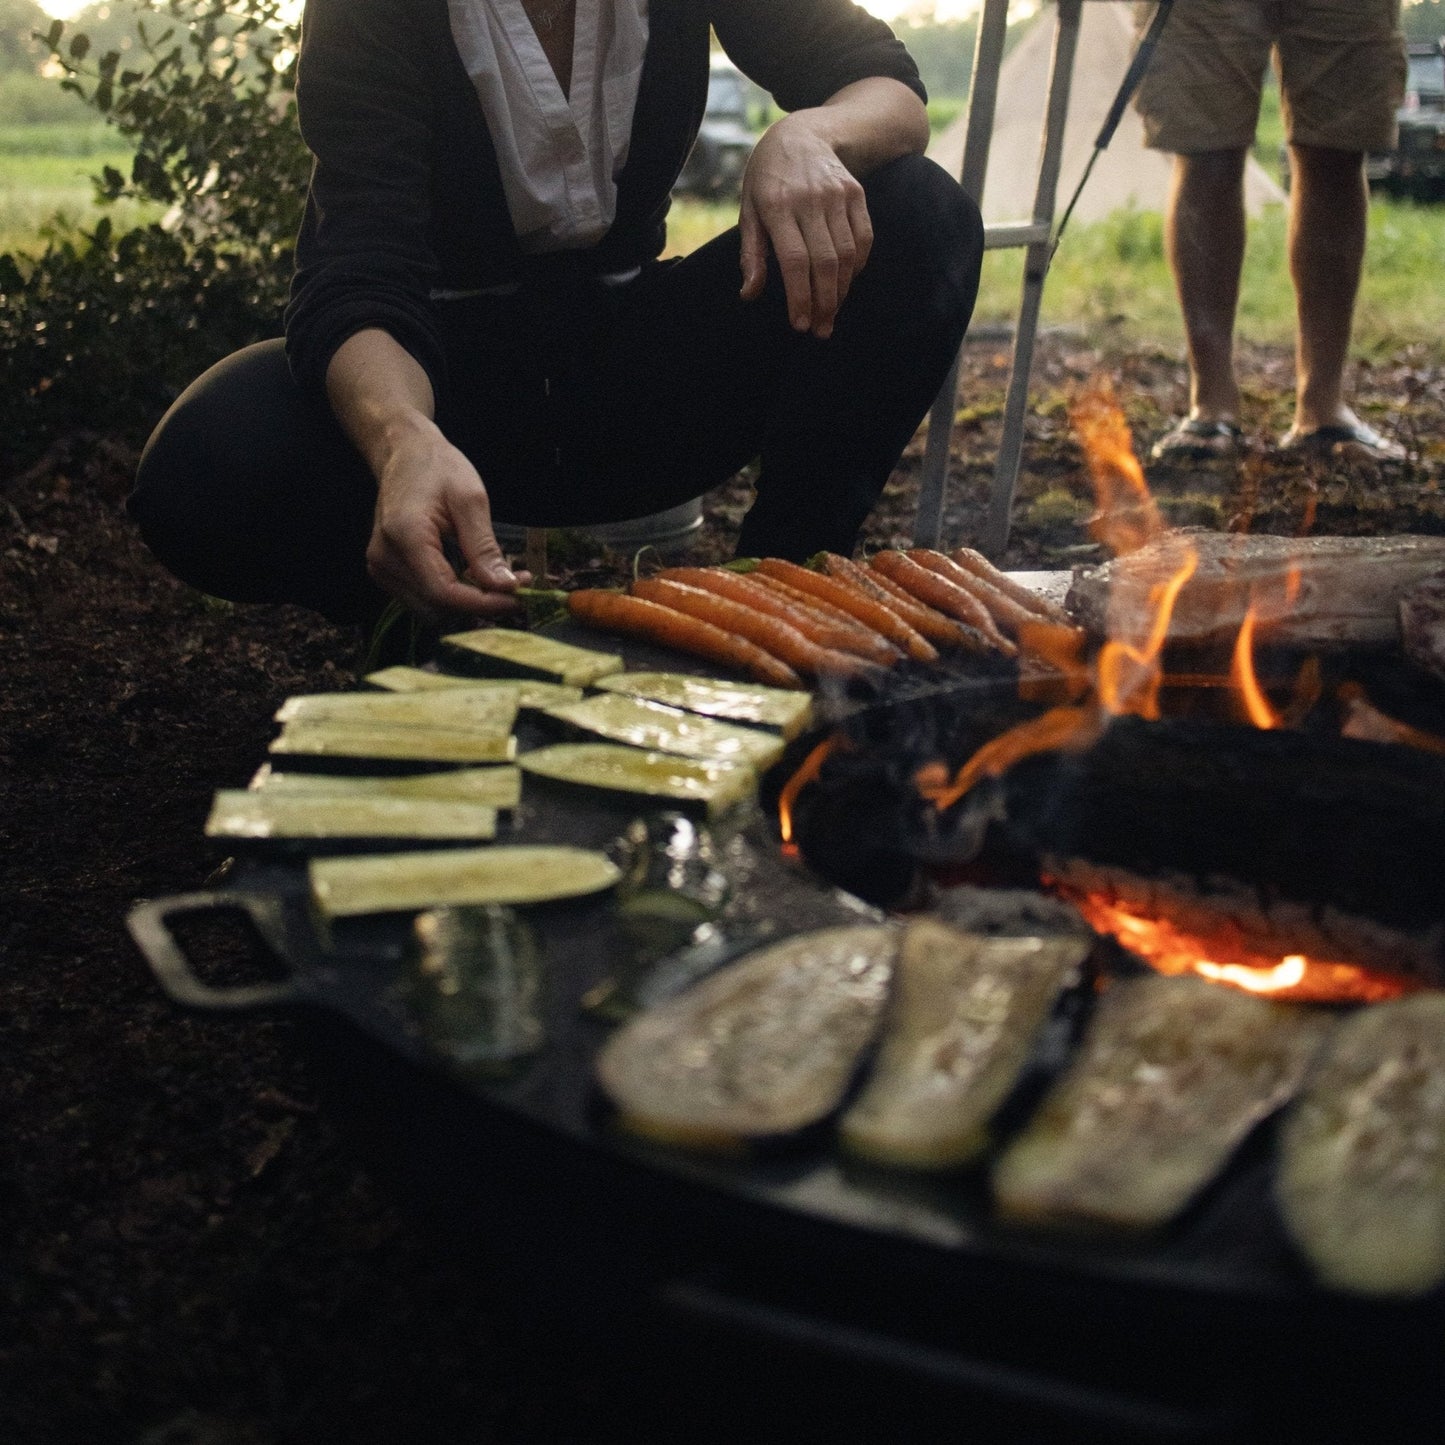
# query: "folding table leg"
[982,98]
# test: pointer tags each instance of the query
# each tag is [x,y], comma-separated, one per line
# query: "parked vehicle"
[714,169]
[1416,167]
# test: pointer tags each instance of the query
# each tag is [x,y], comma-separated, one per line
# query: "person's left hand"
[799,199]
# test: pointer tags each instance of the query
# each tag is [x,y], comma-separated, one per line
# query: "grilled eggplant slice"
[764,1047]
[404,882]
[642,724]
[507,652]
[647,777]
[964,1013]
[498,787]
[418,679]
[474,986]
[779,709]
[491,712]
[1170,1077]
[318,817]
[1361,1180]
[409,744]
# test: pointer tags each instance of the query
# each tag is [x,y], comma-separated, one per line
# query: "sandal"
[1196,439]
[1353,441]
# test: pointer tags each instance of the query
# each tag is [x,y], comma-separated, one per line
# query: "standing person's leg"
[1342,78]
[1329,204]
[1199,100]
[1204,234]
[692,383]
[248,490]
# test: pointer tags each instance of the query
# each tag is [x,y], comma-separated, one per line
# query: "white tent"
[1127,174]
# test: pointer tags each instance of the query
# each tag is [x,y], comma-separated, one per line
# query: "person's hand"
[428,492]
[801,201]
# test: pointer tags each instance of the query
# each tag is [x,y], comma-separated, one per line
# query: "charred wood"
[1320,845]
[1309,592]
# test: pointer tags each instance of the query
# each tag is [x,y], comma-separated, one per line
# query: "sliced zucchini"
[742,702]
[493,713]
[418,679]
[642,724]
[499,787]
[403,882]
[630,772]
[402,744]
[965,1011]
[272,814]
[507,652]
[1361,1181]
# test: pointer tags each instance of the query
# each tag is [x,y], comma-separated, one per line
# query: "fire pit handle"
[148,924]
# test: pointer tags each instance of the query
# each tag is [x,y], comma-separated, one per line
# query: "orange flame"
[812,765]
[1127,518]
[1170,949]
[1128,675]
[1060,727]
[1257,706]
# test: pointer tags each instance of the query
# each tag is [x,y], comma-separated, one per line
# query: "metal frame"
[1034,236]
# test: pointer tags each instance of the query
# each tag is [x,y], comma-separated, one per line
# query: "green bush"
[104,329]
[102,335]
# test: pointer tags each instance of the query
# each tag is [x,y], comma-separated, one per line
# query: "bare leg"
[1204,238]
[1328,206]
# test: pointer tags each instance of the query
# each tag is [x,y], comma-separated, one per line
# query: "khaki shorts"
[1341,65]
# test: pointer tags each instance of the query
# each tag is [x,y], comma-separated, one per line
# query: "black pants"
[582,403]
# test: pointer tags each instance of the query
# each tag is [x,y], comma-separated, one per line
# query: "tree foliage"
[106,328]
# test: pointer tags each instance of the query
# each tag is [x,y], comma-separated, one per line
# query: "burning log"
[1307,592]
[1422,624]
[1278,843]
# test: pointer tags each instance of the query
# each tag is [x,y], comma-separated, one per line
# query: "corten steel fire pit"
[1211,1331]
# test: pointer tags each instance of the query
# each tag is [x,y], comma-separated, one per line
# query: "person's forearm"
[380,395]
[869,123]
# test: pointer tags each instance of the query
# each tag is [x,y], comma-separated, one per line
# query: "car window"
[725,94]
[1427,79]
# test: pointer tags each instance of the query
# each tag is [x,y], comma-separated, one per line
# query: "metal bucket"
[663,530]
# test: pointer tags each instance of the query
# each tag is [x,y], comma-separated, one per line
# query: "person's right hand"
[428,492]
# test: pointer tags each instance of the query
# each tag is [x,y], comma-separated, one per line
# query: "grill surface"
[1211,1330]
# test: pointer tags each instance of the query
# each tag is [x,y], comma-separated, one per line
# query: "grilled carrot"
[779,638]
[943,631]
[616,612]
[941,593]
[985,571]
[778,588]
[866,609]
[826,626]
[1009,615]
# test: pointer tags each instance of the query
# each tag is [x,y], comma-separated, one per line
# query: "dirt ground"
[187,1254]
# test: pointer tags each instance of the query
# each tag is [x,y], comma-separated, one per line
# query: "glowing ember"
[1170,949]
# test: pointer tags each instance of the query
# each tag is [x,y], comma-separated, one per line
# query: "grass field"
[45,173]
[1109,277]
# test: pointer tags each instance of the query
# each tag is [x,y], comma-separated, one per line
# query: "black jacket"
[405,193]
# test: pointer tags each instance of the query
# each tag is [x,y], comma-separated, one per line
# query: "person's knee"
[926,225]
[191,500]
[919,200]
